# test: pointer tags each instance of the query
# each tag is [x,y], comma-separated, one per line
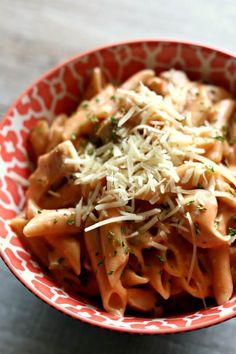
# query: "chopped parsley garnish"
[55,221]
[196,93]
[39,212]
[110,235]
[113,120]
[85,105]
[113,97]
[197,228]
[110,272]
[231,232]
[92,118]
[219,137]
[97,100]
[114,136]
[210,168]
[90,152]
[100,262]
[231,191]
[118,241]
[200,186]
[70,222]
[74,136]
[114,253]
[190,202]
[126,250]
[200,207]
[216,223]
[96,127]
[161,259]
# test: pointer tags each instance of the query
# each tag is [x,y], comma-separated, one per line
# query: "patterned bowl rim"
[157,330]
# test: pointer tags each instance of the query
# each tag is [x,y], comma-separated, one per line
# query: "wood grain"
[34,36]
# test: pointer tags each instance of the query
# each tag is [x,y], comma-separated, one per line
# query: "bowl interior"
[59,91]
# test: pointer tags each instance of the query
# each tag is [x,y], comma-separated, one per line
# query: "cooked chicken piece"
[51,170]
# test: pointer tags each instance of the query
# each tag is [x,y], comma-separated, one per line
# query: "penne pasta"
[133,195]
[222,278]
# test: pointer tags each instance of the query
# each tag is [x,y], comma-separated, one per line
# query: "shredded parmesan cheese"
[115,219]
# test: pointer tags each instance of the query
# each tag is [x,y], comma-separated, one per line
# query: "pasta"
[133,196]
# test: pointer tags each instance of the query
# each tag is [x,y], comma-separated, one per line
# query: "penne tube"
[52,222]
[222,278]
[114,297]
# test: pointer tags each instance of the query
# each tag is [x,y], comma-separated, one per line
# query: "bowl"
[58,91]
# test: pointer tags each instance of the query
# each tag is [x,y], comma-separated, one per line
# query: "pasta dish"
[132,198]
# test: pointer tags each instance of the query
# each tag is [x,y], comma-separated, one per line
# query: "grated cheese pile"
[154,139]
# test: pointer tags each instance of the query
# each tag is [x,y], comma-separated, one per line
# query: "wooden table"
[35,35]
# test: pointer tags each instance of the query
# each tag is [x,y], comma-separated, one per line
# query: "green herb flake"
[113,136]
[100,262]
[39,212]
[90,152]
[113,120]
[118,241]
[161,259]
[219,137]
[55,221]
[231,232]
[216,223]
[97,99]
[92,118]
[122,244]
[197,228]
[110,272]
[196,94]
[231,191]
[113,97]
[200,207]
[126,250]
[110,235]
[85,105]
[70,222]
[96,127]
[200,186]
[210,168]
[73,136]
[190,202]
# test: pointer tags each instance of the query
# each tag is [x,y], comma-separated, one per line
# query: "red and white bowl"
[58,91]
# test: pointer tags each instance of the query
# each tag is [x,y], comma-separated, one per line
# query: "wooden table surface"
[34,36]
